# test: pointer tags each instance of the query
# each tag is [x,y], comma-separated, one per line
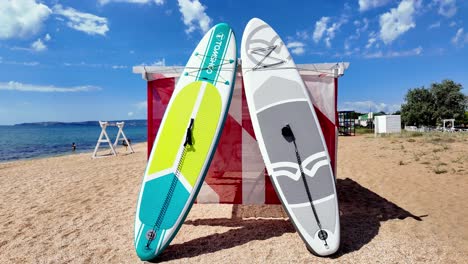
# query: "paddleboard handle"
[188,136]
[288,135]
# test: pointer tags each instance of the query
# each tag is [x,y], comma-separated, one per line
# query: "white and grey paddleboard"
[290,138]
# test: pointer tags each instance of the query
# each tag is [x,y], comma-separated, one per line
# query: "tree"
[429,106]
[463,120]
[450,101]
[419,108]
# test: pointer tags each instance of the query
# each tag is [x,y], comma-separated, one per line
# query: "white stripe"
[311,173]
[253,178]
[139,230]
[159,174]
[313,157]
[287,164]
[185,183]
[281,102]
[199,99]
[287,174]
[160,240]
[319,201]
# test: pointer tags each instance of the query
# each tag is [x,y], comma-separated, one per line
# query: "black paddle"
[288,135]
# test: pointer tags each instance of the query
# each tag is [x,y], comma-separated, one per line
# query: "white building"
[387,124]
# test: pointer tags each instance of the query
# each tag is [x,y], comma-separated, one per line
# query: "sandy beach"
[402,200]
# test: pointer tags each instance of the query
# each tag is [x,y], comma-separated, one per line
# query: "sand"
[402,200]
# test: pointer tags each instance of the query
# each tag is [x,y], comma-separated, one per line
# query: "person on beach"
[73,146]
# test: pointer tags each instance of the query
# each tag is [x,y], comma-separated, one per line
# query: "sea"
[36,140]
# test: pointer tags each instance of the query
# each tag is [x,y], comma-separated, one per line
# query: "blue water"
[31,141]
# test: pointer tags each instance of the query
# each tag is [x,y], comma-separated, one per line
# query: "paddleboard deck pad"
[290,138]
[186,141]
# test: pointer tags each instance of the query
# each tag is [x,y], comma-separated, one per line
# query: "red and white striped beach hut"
[237,174]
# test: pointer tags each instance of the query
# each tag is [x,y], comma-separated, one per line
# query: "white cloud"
[372,39]
[47,37]
[331,33]
[161,62]
[413,52]
[365,5]
[447,8]
[393,54]
[94,65]
[83,64]
[460,39]
[143,105]
[158,2]
[85,22]
[304,35]
[17,86]
[38,45]
[118,67]
[398,20]
[320,27]
[453,24]
[374,55]
[434,25]
[130,113]
[296,47]
[194,16]
[366,106]
[21,18]
[24,63]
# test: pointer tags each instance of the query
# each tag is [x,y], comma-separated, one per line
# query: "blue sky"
[63,60]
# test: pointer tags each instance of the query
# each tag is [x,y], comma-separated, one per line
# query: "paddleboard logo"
[214,56]
[264,53]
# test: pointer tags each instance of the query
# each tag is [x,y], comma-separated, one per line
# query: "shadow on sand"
[361,213]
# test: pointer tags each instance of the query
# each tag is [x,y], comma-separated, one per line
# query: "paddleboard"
[186,141]
[290,138]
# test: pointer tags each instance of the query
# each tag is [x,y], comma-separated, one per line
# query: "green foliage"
[363,130]
[429,106]
[419,108]
[450,101]
[463,120]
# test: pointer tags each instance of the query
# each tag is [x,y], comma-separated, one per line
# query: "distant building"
[386,124]
[366,119]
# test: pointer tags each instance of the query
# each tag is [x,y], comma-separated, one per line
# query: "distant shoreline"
[134,122]
[55,155]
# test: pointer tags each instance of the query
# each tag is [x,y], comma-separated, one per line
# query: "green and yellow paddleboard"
[186,141]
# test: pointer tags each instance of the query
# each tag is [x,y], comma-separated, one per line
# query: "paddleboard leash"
[151,235]
[288,135]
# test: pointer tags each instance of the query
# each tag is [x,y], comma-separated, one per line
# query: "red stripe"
[159,94]
[329,133]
